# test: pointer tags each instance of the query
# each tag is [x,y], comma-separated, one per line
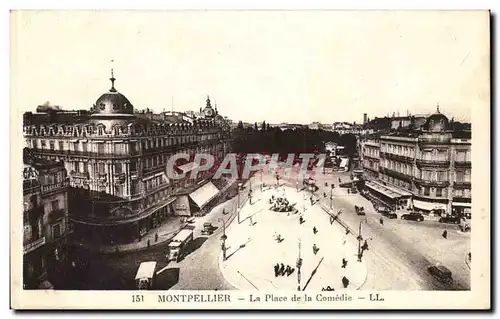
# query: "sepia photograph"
[250,159]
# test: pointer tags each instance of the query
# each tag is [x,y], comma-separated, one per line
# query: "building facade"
[45,220]
[432,164]
[117,160]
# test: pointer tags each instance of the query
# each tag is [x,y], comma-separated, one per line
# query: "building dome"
[437,122]
[112,102]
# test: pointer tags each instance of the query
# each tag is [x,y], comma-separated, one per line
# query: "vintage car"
[441,273]
[450,220]
[391,215]
[208,229]
[413,216]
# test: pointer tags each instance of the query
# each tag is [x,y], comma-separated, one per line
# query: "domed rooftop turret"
[437,122]
[209,112]
[112,102]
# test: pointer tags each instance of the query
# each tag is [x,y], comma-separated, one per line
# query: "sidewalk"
[165,232]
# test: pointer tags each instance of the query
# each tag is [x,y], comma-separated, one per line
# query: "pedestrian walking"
[365,245]
[445,234]
[348,191]
[282,270]
[347,231]
[315,230]
[344,262]
[345,282]
[315,249]
[148,243]
[156,237]
[381,221]
[276,270]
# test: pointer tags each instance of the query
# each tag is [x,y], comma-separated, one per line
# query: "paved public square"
[253,251]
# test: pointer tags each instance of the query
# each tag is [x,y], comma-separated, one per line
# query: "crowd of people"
[281,270]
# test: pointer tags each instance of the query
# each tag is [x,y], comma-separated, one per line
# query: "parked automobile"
[208,229]
[391,215]
[450,220]
[413,216]
[382,209]
[441,273]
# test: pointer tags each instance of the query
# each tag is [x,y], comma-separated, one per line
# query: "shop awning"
[204,194]
[188,167]
[382,190]
[393,189]
[428,206]
[458,204]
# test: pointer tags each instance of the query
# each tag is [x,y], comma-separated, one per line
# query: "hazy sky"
[289,66]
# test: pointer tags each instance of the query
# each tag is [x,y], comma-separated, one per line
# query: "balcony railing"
[29,247]
[431,182]
[54,187]
[395,174]
[396,157]
[434,139]
[433,162]
[100,155]
[373,157]
[83,175]
[463,164]
[461,184]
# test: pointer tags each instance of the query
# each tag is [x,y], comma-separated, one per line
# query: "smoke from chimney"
[47,107]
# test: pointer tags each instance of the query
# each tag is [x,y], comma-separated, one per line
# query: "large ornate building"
[45,220]
[426,168]
[116,162]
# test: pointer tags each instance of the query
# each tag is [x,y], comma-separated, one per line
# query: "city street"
[400,251]
[405,248]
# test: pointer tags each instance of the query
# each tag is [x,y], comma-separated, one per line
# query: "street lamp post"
[261,183]
[299,264]
[250,193]
[331,197]
[360,238]
[223,238]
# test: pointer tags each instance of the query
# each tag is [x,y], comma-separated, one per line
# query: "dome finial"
[208,101]
[112,79]
[437,108]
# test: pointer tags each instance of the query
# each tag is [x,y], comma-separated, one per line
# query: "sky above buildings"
[292,66]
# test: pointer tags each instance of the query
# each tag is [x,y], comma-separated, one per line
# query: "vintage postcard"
[250,160]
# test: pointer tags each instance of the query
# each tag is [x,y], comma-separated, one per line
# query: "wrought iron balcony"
[46,189]
[87,154]
[83,175]
[462,184]
[432,182]
[463,164]
[395,174]
[34,244]
[396,157]
[373,157]
[434,139]
[433,162]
